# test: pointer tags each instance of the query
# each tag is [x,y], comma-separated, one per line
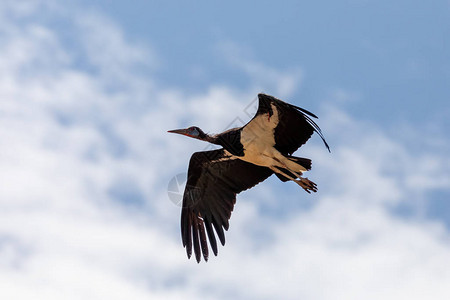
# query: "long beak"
[179,131]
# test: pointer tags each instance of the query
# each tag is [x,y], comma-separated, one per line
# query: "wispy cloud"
[264,78]
[84,130]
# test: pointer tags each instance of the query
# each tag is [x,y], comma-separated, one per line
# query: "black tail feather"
[304,162]
[281,177]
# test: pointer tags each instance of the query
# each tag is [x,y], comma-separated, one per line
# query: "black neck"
[211,139]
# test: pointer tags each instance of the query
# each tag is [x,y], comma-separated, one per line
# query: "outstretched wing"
[214,179]
[294,125]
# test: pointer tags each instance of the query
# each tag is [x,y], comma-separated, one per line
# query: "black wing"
[213,181]
[294,127]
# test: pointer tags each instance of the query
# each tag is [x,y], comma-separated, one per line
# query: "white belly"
[259,158]
[258,140]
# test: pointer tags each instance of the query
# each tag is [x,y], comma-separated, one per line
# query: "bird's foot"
[307,184]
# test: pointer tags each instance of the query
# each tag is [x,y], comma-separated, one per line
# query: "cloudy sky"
[89,89]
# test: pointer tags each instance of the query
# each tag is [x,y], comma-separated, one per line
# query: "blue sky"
[89,89]
[392,54]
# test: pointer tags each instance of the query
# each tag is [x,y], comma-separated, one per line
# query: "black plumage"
[210,195]
[216,177]
[295,126]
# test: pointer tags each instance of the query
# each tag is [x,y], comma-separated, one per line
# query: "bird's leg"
[285,166]
[305,183]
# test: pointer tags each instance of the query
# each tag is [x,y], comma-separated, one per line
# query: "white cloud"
[70,132]
[264,78]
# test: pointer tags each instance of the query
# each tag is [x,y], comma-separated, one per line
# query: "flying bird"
[249,155]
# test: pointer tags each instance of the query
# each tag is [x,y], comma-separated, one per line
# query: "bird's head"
[193,132]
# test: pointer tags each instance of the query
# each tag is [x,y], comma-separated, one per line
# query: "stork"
[249,155]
